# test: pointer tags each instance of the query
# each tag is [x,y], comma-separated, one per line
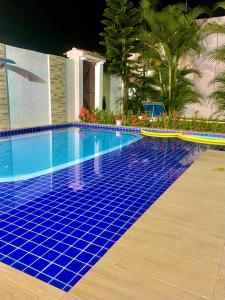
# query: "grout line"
[219,269]
[138,189]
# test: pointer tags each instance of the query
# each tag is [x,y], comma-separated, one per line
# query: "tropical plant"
[104,117]
[172,121]
[219,94]
[166,37]
[218,54]
[119,38]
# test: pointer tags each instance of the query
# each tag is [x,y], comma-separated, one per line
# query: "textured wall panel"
[58,86]
[4,110]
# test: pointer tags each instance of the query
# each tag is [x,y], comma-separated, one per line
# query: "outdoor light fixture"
[9,64]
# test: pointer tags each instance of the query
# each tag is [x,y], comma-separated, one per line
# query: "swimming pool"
[56,226]
[27,156]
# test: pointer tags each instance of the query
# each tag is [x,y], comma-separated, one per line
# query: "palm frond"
[187,71]
[218,53]
[210,28]
[219,79]
[220,4]
[197,11]
[219,97]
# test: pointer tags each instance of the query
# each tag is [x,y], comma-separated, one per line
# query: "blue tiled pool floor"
[57,226]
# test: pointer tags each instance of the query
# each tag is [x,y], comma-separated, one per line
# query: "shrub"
[105,117]
[144,120]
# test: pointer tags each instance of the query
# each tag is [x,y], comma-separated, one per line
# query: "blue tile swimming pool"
[56,226]
[32,155]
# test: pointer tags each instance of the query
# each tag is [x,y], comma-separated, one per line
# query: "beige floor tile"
[207,215]
[220,285]
[70,296]
[28,283]
[10,292]
[166,251]
[111,282]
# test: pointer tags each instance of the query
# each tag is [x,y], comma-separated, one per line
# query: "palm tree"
[167,36]
[218,55]
[219,94]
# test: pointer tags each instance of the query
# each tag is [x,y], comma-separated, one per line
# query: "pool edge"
[11,132]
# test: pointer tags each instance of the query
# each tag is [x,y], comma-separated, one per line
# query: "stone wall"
[4,111]
[58,89]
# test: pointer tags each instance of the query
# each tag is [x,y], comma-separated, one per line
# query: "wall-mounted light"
[9,64]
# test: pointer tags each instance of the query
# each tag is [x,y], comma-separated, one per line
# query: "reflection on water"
[24,157]
[150,162]
[77,185]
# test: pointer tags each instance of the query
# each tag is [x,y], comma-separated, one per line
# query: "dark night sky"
[37,26]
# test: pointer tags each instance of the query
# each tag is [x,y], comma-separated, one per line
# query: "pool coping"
[11,132]
[115,273]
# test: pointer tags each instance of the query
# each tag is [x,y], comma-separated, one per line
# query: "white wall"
[209,69]
[112,90]
[29,102]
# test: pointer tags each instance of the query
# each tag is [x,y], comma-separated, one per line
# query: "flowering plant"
[173,121]
[88,116]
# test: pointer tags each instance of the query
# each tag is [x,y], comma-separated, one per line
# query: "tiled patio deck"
[174,251]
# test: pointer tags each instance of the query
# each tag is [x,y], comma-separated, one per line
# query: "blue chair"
[155,109]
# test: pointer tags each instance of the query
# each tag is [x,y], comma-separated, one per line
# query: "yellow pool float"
[202,139]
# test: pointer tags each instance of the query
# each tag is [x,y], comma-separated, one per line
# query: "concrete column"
[70,81]
[78,86]
[78,55]
[98,84]
[49,91]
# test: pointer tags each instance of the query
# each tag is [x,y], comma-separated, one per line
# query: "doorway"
[88,85]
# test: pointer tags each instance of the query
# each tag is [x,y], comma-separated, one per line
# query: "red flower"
[84,114]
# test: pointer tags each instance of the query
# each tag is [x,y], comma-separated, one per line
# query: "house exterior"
[208,68]
[68,83]
[58,97]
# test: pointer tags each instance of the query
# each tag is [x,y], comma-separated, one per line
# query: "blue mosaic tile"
[97,126]
[59,233]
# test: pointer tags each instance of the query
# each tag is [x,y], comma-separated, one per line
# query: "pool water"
[32,155]
[55,227]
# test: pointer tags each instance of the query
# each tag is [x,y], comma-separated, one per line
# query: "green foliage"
[167,36]
[144,120]
[219,94]
[192,124]
[104,117]
[97,116]
[119,38]
[218,54]
[220,4]
[161,38]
